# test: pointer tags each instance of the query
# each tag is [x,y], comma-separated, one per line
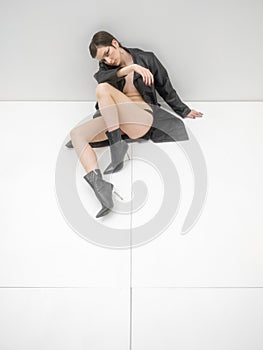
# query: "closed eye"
[106,54]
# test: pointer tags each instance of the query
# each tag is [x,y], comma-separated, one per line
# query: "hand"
[193,114]
[146,74]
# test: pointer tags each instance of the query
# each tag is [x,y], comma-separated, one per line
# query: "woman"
[127,106]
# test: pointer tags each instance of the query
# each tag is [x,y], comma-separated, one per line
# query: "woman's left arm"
[107,74]
[165,89]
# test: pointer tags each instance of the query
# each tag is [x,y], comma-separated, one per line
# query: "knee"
[102,89]
[75,133]
[133,136]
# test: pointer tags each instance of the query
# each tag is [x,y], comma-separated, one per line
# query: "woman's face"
[109,54]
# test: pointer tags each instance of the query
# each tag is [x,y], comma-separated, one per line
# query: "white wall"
[212,50]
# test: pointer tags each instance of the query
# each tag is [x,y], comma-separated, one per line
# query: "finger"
[151,79]
[148,79]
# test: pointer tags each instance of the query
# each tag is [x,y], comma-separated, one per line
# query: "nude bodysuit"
[130,90]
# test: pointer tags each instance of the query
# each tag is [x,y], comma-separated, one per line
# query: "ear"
[115,43]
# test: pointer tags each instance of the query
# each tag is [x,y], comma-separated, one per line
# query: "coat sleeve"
[165,89]
[107,74]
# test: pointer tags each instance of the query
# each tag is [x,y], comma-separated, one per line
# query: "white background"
[202,290]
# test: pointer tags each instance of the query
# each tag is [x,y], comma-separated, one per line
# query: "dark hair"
[100,38]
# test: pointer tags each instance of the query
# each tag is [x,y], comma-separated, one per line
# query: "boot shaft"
[102,189]
[114,136]
[93,176]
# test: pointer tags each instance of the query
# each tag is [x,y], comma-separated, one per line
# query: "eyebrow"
[104,53]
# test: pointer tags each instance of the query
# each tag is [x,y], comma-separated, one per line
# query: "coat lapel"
[135,60]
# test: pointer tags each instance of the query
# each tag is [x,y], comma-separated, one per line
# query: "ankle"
[93,176]
[114,135]
[93,170]
[94,173]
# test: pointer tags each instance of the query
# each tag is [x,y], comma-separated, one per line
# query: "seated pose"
[126,107]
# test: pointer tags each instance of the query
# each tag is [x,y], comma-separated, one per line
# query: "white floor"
[62,288]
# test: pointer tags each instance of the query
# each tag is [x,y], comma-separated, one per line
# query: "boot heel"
[114,190]
[117,194]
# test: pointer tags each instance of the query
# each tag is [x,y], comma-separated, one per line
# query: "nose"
[109,60]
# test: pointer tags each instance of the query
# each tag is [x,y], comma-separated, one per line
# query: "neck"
[125,57]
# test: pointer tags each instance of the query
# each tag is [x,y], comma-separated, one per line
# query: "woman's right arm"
[113,75]
[125,70]
[146,74]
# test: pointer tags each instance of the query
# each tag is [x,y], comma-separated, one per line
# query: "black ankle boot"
[103,191]
[118,149]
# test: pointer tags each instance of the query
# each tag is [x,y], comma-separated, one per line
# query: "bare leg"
[118,110]
[90,131]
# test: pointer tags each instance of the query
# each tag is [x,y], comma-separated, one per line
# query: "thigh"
[134,120]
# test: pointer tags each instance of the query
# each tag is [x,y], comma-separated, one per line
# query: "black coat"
[167,127]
